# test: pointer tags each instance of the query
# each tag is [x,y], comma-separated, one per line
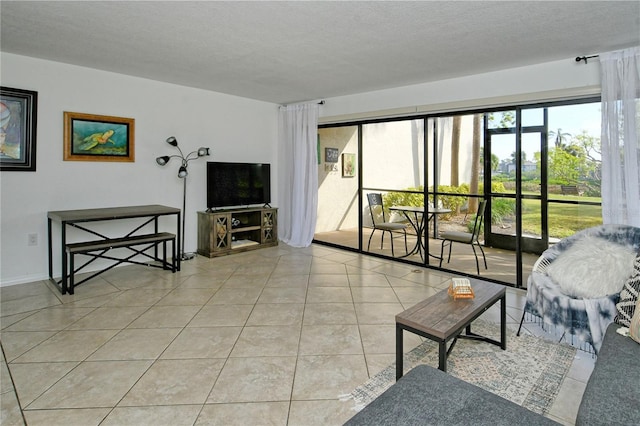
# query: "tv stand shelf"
[228,231]
[245,229]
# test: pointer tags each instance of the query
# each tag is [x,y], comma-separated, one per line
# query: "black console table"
[74,218]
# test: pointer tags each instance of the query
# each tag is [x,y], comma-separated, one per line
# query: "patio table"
[416,217]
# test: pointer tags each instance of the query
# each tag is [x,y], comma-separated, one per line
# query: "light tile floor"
[272,336]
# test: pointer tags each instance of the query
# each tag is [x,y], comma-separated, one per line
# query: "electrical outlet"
[32,239]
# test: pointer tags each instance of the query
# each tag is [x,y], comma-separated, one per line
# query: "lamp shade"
[202,151]
[171,140]
[162,160]
[182,172]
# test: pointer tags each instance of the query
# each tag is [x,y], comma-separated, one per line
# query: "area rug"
[529,373]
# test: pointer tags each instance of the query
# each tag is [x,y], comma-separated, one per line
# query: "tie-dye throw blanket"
[585,318]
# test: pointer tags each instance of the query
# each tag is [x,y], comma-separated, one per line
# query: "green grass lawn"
[564,219]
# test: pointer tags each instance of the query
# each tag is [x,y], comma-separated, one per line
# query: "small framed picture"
[18,119]
[331,155]
[90,137]
[348,165]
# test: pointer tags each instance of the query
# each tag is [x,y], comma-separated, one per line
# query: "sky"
[571,119]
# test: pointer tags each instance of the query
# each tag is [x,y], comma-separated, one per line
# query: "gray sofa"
[612,396]
[427,396]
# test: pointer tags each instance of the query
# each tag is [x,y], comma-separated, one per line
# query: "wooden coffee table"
[440,318]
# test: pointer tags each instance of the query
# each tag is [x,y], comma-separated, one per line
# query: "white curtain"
[298,174]
[620,133]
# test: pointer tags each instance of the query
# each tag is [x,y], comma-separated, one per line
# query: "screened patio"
[536,167]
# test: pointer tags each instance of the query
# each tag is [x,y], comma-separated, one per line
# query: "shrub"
[454,200]
[502,208]
[471,223]
[404,198]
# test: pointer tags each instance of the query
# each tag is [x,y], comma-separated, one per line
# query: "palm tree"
[475,162]
[455,149]
[560,137]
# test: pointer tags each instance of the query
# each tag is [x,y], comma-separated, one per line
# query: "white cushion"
[592,268]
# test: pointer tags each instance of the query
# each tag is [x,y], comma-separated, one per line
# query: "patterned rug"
[529,373]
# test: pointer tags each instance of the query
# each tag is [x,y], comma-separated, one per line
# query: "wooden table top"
[108,213]
[441,317]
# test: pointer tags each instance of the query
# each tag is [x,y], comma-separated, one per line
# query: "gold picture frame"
[91,137]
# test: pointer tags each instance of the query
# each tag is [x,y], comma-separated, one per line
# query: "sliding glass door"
[536,166]
[516,140]
[392,166]
[338,220]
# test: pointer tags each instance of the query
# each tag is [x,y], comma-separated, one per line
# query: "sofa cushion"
[612,395]
[592,267]
[427,396]
[629,296]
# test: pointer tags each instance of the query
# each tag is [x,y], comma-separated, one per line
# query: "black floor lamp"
[182,174]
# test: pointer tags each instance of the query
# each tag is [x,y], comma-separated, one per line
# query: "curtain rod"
[584,58]
[319,102]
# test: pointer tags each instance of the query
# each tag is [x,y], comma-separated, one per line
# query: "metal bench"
[98,249]
[571,190]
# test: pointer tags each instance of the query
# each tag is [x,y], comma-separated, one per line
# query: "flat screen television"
[238,184]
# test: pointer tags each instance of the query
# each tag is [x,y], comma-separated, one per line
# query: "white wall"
[547,81]
[236,129]
[337,195]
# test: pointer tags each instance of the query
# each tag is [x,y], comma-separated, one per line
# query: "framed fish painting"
[18,118]
[89,137]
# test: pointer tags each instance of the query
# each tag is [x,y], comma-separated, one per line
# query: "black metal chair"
[379,221]
[449,237]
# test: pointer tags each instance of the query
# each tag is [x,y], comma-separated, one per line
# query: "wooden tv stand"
[229,231]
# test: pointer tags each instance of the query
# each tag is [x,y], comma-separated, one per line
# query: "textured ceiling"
[284,52]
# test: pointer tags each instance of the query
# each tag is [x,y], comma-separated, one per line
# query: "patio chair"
[379,221]
[471,238]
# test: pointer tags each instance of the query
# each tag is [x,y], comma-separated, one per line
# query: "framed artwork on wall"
[331,155]
[348,165]
[90,137]
[18,121]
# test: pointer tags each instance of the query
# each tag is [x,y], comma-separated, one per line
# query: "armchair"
[587,315]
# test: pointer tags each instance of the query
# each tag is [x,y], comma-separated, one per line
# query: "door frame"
[518,242]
